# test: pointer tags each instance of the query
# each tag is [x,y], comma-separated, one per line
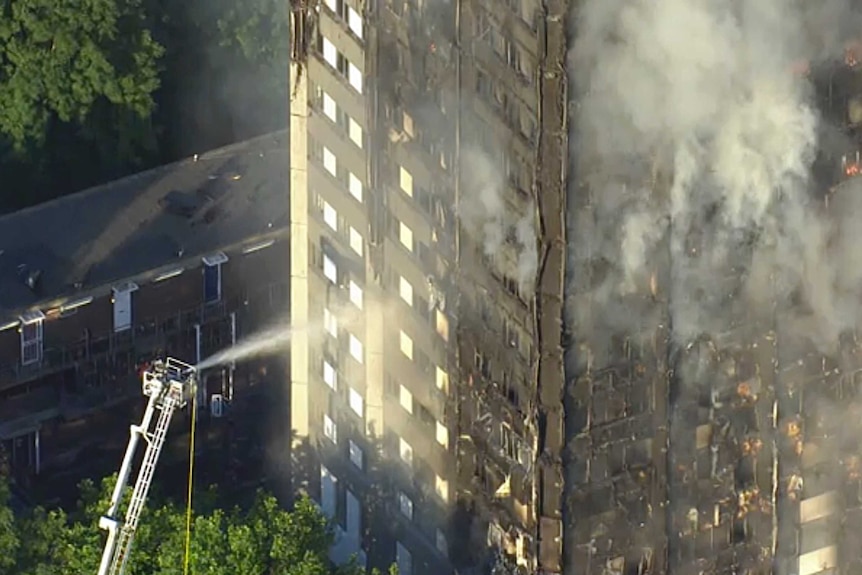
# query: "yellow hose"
[188,552]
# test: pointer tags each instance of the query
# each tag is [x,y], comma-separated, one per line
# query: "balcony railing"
[148,334]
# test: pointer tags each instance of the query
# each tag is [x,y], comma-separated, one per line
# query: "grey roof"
[128,227]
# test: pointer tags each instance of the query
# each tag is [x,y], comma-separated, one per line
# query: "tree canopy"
[59,60]
[94,90]
[259,539]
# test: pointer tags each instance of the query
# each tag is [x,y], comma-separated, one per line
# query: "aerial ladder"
[168,384]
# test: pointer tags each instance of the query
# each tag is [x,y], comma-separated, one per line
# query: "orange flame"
[851,170]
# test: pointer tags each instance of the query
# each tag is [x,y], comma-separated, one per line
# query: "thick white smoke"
[506,232]
[696,135]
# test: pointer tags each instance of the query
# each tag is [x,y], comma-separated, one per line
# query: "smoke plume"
[696,137]
[506,232]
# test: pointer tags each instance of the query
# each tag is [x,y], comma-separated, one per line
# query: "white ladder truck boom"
[168,385]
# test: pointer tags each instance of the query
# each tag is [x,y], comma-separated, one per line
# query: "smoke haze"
[695,128]
[507,234]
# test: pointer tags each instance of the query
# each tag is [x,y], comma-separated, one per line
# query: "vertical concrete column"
[297,195]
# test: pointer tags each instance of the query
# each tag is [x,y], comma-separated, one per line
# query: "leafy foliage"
[262,539]
[60,59]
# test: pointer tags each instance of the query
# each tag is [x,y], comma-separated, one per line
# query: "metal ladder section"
[155,441]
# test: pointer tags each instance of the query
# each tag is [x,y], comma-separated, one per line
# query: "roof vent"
[31,277]
[180,204]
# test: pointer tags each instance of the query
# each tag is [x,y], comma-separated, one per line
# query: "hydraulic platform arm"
[168,386]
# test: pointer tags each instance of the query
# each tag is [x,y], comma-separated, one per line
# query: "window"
[354,76]
[441,486]
[405,505]
[356,294]
[354,130]
[403,559]
[330,216]
[406,181]
[32,326]
[122,302]
[405,398]
[355,187]
[328,484]
[405,289]
[442,379]
[407,124]
[330,323]
[355,241]
[406,344]
[356,455]
[442,325]
[330,54]
[356,348]
[405,451]
[329,269]
[357,404]
[442,435]
[212,276]
[405,234]
[353,520]
[329,162]
[354,21]
[329,429]
[329,375]
[442,544]
[329,107]
[332,5]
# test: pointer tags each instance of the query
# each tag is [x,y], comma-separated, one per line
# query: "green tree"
[262,539]
[65,60]
[9,541]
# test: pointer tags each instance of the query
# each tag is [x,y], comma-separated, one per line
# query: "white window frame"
[405,451]
[405,344]
[330,53]
[441,487]
[216,260]
[32,348]
[330,216]
[357,403]
[356,296]
[405,290]
[330,162]
[405,505]
[405,180]
[354,76]
[441,378]
[328,504]
[354,22]
[330,375]
[356,241]
[330,108]
[354,184]
[330,429]
[357,457]
[405,398]
[357,350]
[330,270]
[330,322]
[405,235]
[354,130]
[442,435]
[122,295]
